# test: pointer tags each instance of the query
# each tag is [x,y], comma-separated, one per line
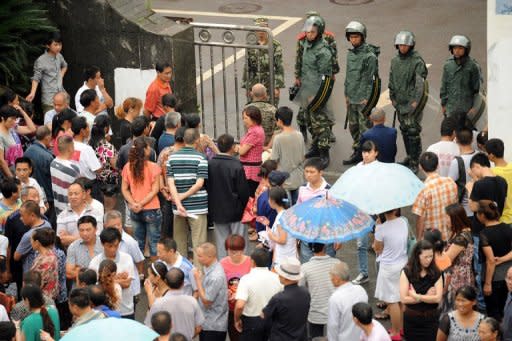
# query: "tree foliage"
[23,29]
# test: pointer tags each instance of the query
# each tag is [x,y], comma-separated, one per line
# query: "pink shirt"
[306,192]
[255,137]
[233,274]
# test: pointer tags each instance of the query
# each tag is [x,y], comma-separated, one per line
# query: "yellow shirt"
[506,173]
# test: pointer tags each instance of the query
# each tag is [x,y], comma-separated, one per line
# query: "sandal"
[381,305]
[381,316]
[253,236]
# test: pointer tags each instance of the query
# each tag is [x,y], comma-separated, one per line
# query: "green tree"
[24,26]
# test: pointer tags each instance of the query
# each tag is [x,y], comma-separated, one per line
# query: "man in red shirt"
[159,87]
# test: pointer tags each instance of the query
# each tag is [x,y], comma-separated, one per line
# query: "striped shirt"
[64,173]
[68,218]
[318,281]
[185,167]
[430,203]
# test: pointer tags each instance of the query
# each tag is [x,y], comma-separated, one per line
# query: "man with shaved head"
[259,99]
[384,137]
[212,293]
[60,102]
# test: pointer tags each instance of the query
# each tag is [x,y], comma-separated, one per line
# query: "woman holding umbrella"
[421,290]
[390,245]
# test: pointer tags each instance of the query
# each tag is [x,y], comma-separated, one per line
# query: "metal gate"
[220,52]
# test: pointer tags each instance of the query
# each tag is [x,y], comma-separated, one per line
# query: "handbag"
[249,216]
[411,239]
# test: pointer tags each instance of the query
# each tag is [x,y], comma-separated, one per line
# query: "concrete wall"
[499,71]
[114,34]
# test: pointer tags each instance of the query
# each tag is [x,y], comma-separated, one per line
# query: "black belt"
[248,163]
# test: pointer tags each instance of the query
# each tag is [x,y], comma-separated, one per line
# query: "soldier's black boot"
[324,156]
[353,159]
[304,132]
[312,152]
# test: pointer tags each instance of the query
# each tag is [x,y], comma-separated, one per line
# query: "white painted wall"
[131,83]
[499,74]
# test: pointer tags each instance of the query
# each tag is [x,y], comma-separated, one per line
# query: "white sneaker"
[360,279]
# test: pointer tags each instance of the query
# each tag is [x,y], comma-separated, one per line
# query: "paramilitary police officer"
[302,120]
[316,72]
[408,92]
[461,80]
[257,64]
[362,84]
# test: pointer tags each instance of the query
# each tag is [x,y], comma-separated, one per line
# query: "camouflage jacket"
[460,84]
[268,118]
[329,38]
[404,88]
[257,66]
[362,66]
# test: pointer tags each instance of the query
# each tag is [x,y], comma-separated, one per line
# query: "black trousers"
[212,335]
[315,330]
[253,329]
[495,302]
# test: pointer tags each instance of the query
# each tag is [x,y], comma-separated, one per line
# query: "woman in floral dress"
[46,262]
[460,251]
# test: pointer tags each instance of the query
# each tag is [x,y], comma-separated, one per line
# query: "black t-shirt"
[159,128]
[421,286]
[498,237]
[125,131]
[14,231]
[488,188]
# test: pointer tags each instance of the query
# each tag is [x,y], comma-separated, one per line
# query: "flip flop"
[382,316]
[381,305]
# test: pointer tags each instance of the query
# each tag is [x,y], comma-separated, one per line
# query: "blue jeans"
[305,252]
[362,254]
[147,223]
[477,267]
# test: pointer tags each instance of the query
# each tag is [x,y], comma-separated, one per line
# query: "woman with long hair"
[41,317]
[107,272]
[155,285]
[46,261]
[421,291]
[460,251]
[283,244]
[126,112]
[107,154]
[462,323]
[61,125]
[496,244]
[140,186]
[235,265]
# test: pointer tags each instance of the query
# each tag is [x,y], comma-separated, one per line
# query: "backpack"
[461,181]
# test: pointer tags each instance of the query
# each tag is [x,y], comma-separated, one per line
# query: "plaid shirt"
[430,203]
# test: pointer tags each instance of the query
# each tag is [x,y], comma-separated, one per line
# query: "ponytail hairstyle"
[101,124]
[107,272]
[279,196]
[59,119]
[436,239]
[34,295]
[137,159]
[489,209]
[129,103]
[158,269]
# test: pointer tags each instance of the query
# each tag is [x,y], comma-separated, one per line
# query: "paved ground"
[433,22]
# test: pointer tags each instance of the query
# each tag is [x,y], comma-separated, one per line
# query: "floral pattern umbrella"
[326,220]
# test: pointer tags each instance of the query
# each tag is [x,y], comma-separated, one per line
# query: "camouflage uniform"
[302,117]
[404,89]
[362,67]
[268,118]
[257,66]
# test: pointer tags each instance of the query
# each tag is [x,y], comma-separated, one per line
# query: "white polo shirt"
[256,289]
[87,160]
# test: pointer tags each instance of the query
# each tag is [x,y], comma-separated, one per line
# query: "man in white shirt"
[340,325]
[128,245]
[371,330]
[254,292]
[110,240]
[445,149]
[91,102]
[93,80]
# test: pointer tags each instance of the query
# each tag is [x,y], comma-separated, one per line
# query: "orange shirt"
[154,94]
[140,189]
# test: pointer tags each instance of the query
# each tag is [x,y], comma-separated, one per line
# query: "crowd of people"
[91,218]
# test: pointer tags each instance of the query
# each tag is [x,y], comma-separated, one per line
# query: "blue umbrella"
[326,220]
[111,329]
[378,187]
